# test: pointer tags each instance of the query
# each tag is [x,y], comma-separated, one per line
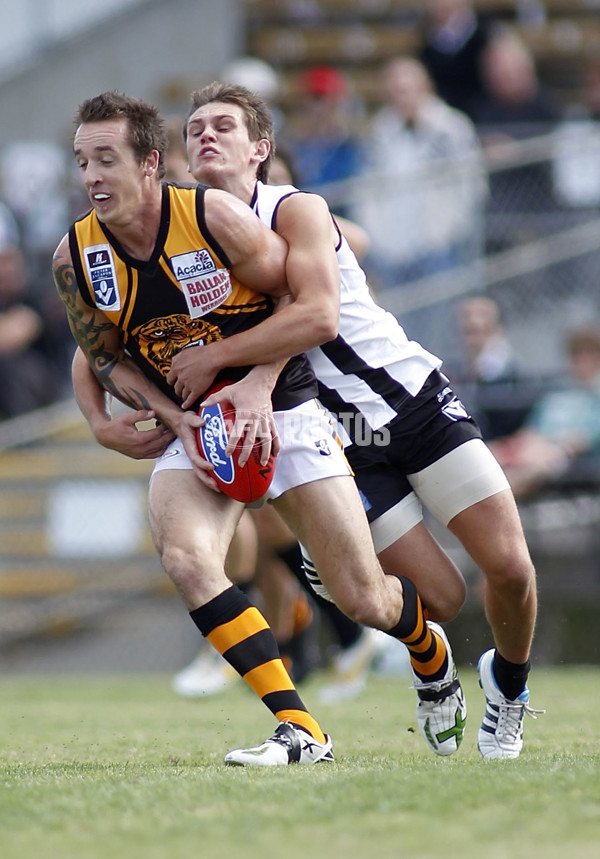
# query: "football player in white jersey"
[409,439]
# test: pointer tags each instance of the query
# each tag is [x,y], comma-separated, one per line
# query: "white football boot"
[290,744]
[441,709]
[501,733]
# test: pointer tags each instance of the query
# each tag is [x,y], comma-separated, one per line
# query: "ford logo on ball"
[213,438]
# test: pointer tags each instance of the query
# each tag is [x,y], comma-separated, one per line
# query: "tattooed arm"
[121,432]
[101,343]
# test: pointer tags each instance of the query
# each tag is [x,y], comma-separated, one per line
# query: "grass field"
[119,768]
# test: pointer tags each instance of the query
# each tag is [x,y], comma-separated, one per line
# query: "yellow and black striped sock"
[428,653]
[243,637]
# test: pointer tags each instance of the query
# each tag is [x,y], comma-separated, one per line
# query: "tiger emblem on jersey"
[162,338]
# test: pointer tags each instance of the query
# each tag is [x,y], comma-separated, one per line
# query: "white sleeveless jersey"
[371,367]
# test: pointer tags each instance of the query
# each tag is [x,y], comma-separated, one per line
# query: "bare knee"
[197,576]
[180,565]
[514,579]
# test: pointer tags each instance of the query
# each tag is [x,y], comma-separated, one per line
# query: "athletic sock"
[511,677]
[243,637]
[428,653]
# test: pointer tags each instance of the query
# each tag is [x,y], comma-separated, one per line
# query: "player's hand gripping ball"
[246,483]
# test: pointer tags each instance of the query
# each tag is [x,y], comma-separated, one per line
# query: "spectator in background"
[515,107]
[34,181]
[490,380]
[514,102]
[283,172]
[563,429]
[425,188]
[577,154]
[28,378]
[323,132]
[454,37]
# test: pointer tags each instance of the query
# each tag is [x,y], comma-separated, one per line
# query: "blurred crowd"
[414,173]
[35,342]
[416,177]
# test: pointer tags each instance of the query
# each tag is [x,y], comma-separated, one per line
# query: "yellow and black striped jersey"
[184,294]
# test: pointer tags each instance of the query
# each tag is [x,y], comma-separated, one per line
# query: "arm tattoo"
[128,396]
[89,330]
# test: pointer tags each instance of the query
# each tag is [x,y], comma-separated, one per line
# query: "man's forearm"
[125,382]
[276,339]
[90,396]
[130,386]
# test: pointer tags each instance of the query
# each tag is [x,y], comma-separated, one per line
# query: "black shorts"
[427,427]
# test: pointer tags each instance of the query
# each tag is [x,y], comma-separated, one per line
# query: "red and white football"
[246,483]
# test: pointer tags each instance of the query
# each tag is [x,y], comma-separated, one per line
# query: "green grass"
[119,768]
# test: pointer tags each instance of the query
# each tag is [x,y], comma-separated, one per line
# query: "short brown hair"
[146,126]
[259,121]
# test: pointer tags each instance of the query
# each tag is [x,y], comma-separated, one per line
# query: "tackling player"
[129,273]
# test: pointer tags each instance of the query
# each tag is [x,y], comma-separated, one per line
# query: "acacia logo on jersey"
[193,264]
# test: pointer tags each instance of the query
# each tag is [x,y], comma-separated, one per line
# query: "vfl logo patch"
[213,439]
[102,275]
[322,446]
[455,411]
[204,286]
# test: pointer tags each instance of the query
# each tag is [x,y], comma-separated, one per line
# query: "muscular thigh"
[190,523]
[492,534]
[328,519]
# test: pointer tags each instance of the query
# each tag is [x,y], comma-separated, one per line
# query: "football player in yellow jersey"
[109,290]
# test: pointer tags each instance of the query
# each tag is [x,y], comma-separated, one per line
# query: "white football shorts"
[310,449]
